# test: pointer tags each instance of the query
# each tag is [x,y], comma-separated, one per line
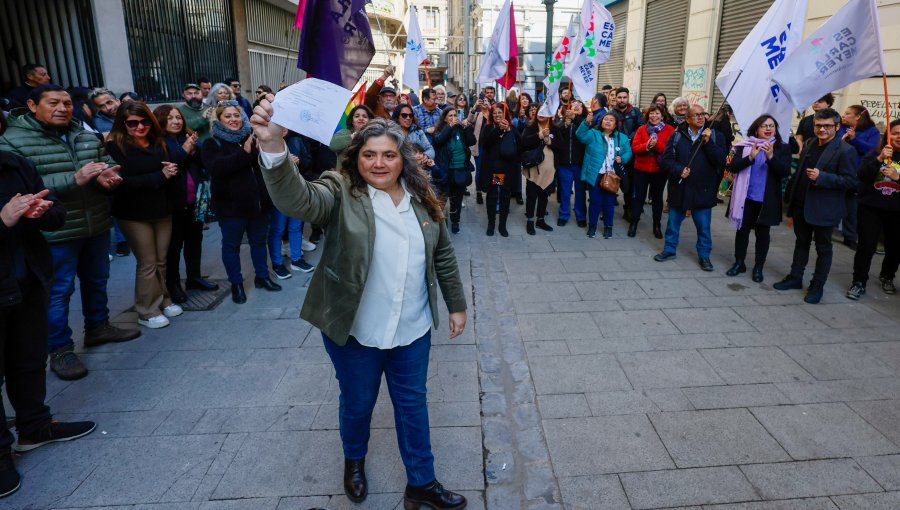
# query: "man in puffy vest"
[75,168]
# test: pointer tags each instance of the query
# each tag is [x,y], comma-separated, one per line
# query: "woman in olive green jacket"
[374,292]
[358,118]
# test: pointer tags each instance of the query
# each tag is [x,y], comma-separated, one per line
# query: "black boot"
[632,229]
[501,228]
[490,227]
[737,268]
[355,484]
[201,284]
[433,495]
[657,231]
[10,481]
[266,283]
[592,231]
[541,224]
[478,198]
[757,273]
[529,227]
[237,293]
[607,231]
[177,293]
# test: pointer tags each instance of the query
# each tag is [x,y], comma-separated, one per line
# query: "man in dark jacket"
[693,184]
[26,270]
[816,201]
[235,85]
[35,75]
[74,166]
[568,155]
[630,119]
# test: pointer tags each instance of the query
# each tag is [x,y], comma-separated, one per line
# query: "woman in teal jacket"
[606,150]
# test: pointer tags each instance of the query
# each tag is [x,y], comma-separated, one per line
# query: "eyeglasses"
[229,102]
[697,115]
[135,123]
[768,126]
[826,127]
[260,92]
[406,115]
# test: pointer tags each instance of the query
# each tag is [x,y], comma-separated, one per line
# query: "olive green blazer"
[337,285]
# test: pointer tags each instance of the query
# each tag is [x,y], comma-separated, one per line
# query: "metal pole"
[548,48]
[467,19]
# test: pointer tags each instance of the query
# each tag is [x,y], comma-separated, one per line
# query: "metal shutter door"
[612,71]
[665,34]
[738,19]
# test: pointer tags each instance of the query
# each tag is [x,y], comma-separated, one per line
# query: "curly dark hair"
[417,180]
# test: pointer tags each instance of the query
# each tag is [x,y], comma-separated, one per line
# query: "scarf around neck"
[229,135]
[742,180]
[654,129]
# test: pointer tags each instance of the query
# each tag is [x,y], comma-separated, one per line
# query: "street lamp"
[548,49]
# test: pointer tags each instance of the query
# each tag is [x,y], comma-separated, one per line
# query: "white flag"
[845,49]
[555,73]
[746,79]
[493,64]
[415,51]
[592,49]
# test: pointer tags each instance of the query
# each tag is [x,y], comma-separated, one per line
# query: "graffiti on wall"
[877,110]
[694,78]
[697,97]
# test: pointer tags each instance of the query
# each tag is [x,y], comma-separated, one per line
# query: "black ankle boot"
[529,228]
[177,293]
[490,227]
[266,283]
[737,268]
[592,231]
[607,232]
[657,231]
[501,228]
[541,224]
[434,495]
[355,484]
[757,273]
[237,293]
[632,229]
[479,199]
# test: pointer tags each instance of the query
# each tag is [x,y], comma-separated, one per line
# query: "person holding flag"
[500,61]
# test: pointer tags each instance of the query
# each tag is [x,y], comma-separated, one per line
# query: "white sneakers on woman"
[161,321]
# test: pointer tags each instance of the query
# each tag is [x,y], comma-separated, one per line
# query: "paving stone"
[223,387]
[634,323]
[557,326]
[707,320]
[608,345]
[749,365]
[689,341]
[453,382]
[682,288]
[848,315]
[542,292]
[749,395]
[841,391]
[669,399]
[882,501]
[839,361]
[121,424]
[303,503]
[785,504]
[547,348]
[718,437]
[604,445]
[546,265]
[620,402]
[563,406]
[885,469]
[577,374]
[653,304]
[779,318]
[624,289]
[728,286]
[116,390]
[603,492]
[808,479]
[701,486]
[816,431]
[667,369]
[720,301]
[591,265]
[884,415]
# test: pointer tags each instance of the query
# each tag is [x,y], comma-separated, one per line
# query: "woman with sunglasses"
[760,163]
[408,122]
[187,232]
[239,196]
[358,118]
[538,177]
[261,92]
[142,205]
[499,162]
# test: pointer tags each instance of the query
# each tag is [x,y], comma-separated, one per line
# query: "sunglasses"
[229,102]
[135,123]
[260,92]
[406,115]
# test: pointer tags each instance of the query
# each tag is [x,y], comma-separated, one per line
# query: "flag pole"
[383,36]
[887,109]
[713,119]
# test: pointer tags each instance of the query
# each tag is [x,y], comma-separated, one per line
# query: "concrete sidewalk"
[589,376]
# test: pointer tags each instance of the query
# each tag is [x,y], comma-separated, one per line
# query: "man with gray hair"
[106,105]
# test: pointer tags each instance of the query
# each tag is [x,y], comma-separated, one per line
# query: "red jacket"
[646,161]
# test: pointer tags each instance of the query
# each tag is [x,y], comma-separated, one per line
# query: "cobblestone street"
[589,377]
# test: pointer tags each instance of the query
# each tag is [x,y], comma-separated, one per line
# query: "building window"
[431,17]
[172,42]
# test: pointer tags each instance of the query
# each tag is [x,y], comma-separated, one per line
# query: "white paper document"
[311,107]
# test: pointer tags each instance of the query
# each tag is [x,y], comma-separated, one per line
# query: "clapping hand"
[169,169]
[110,178]
[30,206]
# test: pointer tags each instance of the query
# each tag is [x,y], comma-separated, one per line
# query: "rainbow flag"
[358,98]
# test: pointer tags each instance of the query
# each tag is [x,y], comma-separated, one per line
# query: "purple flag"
[335,41]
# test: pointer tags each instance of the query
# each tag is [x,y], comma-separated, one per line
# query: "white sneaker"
[173,310]
[160,321]
[308,246]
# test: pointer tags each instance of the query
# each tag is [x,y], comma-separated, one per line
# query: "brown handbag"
[609,181]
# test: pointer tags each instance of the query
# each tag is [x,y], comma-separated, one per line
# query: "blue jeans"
[278,223]
[601,199]
[118,236]
[702,219]
[569,175]
[233,233]
[358,370]
[477,171]
[89,260]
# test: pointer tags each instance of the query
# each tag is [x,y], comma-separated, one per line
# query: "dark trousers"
[257,229]
[456,198]
[627,186]
[742,238]
[806,234]
[23,360]
[187,235]
[358,370]
[851,219]
[655,182]
[872,223]
[495,193]
[535,195]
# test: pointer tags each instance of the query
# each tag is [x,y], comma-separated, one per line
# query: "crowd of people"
[88,174]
